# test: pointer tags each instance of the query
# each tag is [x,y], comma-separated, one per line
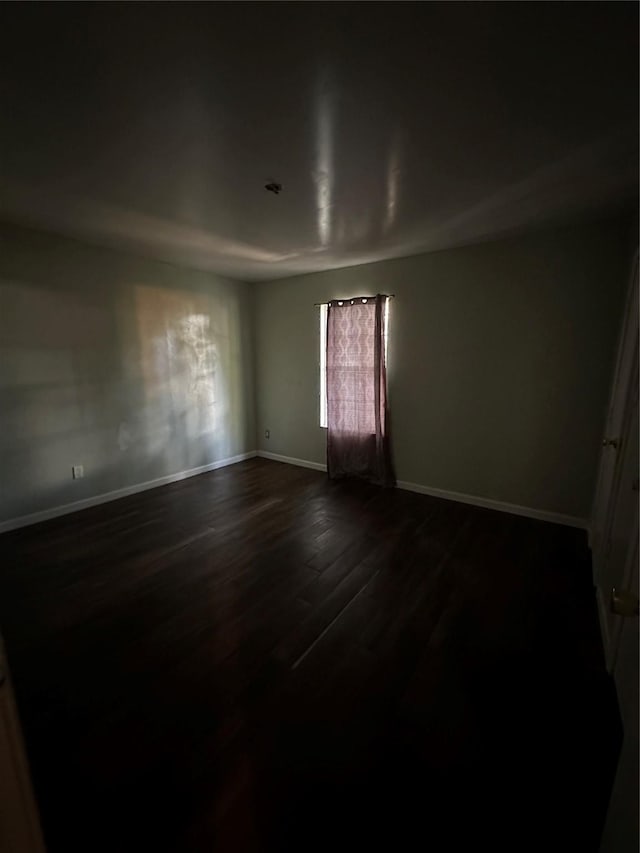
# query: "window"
[323,365]
[324,311]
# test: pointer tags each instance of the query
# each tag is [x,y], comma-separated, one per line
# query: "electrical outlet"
[77,472]
[267,433]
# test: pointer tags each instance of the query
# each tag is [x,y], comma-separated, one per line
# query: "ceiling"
[393,128]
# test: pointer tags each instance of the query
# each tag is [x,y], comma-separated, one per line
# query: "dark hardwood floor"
[259,659]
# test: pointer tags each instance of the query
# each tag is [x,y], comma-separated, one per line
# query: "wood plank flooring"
[258,659]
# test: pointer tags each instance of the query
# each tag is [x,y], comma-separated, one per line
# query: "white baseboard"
[604,624]
[487,503]
[65,509]
[291,460]
[500,506]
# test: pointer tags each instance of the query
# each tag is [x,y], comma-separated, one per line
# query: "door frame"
[20,830]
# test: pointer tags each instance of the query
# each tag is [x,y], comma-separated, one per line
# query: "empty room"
[318,427]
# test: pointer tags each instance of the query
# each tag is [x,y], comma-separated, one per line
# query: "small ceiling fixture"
[273,187]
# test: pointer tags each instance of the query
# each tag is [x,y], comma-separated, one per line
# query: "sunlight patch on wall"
[184,359]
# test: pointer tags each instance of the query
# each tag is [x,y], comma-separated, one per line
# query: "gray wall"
[500,360]
[500,357]
[133,368]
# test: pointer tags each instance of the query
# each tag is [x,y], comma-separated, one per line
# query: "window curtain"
[357,417]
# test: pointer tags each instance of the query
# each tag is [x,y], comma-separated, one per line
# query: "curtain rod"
[386,296]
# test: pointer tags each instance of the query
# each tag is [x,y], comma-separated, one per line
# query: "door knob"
[624,603]
[609,442]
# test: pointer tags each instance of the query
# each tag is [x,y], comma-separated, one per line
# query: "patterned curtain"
[358,435]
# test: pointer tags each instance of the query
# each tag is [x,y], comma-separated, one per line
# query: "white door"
[621,833]
[626,365]
[615,571]
[615,553]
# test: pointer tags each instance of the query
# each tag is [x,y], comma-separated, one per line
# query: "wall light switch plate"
[78,472]
[267,433]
